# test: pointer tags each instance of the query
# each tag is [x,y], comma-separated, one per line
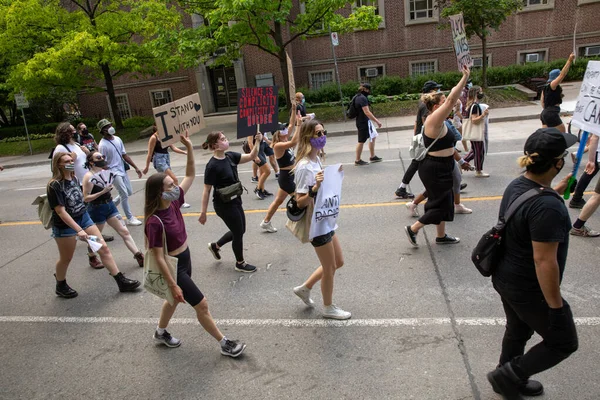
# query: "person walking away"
[477,116]
[552,95]
[363,116]
[531,269]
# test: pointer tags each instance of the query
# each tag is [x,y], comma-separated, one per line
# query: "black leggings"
[233,215]
[584,181]
[191,293]
[410,171]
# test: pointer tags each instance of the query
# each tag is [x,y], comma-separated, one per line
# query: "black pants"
[191,293]
[410,172]
[527,312]
[232,214]
[436,173]
[583,182]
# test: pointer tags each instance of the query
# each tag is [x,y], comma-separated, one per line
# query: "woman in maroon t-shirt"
[162,214]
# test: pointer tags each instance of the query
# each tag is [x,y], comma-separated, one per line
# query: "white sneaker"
[460,209]
[481,174]
[185,205]
[134,221]
[268,226]
[304,294]
[334,312]
[412,209]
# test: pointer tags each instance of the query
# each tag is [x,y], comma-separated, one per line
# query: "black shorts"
[322,240]
[550,117]
[191,293]
[269,151]
[363,133]
[286,181]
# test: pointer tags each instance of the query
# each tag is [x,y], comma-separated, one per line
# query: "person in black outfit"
[221,172]
[551,98]
[436,170]
[300,106]
[422,112]
[363,117]
[529,274]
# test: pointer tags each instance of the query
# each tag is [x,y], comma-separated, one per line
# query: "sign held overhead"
[257,106]
[459,38]
[172,119]
[587,110]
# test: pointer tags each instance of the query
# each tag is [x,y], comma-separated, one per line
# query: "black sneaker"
[505,381]
[108,238]
[447,239]
[166,339]
[267,193]
[360,162]
[276,175]
[259,194]
[577,203]
[463,186]
[232,348]
[64,290]
[214,251]
[402,193]
[412,237]
[244,267]
[528,387]
[254,179]
[126,284]
[375,159]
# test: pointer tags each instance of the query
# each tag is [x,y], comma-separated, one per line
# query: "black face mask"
[100,163]
[85,132]
[480,96]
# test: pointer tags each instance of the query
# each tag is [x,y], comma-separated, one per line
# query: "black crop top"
[445,142]
[158,148]
[105,198]
[287,159]
[552,97]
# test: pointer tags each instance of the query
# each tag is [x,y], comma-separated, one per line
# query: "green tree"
[86,44]
[272,25]
[480,16]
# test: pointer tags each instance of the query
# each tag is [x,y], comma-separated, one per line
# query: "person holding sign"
[308,176]
[162,216]
[552,95]
[97,185]
[221,173]
[260,163]
[436,169]
[160,158]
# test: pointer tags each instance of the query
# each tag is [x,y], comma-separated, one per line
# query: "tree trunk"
[283,63]
[110,90]
[484,61]
[3,118]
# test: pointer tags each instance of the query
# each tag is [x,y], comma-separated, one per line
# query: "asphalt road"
[425,324]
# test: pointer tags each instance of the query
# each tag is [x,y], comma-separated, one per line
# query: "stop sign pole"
[22,103]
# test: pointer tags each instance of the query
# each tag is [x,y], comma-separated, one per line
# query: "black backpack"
[488,251]
[351,111]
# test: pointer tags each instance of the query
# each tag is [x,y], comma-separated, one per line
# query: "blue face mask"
[303,100]
[172,194]
[318,142]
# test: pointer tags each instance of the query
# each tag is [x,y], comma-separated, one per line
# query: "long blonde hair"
[472,97]
[57,172]
[307,131]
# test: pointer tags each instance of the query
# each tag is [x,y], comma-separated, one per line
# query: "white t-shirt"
[113,151]
[80,169]
[305,174]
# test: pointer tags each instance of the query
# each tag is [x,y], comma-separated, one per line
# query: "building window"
[320,78]
[532,56]
[478,60]
[535,5]
[370,73]
[590,51]
[264,80]
[420,11]
[160,97]
[424,67]
[319,26]
[122,106]
[379,8]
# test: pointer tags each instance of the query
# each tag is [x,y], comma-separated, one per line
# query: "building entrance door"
[224,88]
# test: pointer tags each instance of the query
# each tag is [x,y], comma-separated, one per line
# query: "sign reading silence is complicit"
[172,119]
[257,106]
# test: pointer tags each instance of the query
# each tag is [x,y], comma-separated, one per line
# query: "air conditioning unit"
[371,72]
[592,51]
[159,95]
[477,62]
[532,57]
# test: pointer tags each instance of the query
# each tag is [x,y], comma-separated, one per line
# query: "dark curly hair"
[63,133]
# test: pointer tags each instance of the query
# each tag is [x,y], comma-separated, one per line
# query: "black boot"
[527,387]
[505,381]
[126,284]
[64,290]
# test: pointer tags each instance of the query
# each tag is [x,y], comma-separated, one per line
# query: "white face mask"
[111,131]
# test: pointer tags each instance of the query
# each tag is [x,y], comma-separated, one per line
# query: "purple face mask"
[318,142]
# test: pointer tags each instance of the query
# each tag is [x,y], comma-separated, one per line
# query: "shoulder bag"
[154,281]
[228,193]
[125,164]
[417,149]
[473,131]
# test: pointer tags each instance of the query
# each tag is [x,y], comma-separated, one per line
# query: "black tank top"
[443,143]
[105,198]
[158,148]
[552,97]
[287,159]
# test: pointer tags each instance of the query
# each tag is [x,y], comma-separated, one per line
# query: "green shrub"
[34,136]
[138,122]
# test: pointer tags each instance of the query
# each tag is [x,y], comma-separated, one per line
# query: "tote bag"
[301,228]
[154,281]
[472,131]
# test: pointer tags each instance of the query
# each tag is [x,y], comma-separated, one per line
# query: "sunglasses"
[321,133]
[99,158]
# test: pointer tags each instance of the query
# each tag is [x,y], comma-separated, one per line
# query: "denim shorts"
[322,240]
[84,222]
[161,161]
[100,213]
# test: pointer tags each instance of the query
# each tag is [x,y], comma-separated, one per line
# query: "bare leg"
[124,233]
[274,164]
[66,249]
[359,149]
[465,144]
[104,252]
[372,147]
[441,229]
[254,170]
[456,198]
[277,201]
[166,313]
[419,198]
[264,174]
[331,258]
[318,273]
[206,320]
[416,226]
[590,207]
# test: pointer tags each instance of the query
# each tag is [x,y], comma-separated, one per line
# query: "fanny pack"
[228,193]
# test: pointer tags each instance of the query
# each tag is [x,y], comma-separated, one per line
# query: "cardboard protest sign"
[327,203]
[172,119]
[257,106]
[291,80]
[103,178]
[587,110]
[459,37]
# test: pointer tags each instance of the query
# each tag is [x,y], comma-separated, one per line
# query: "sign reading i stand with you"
[459,37]
[257,106]
[587,110]
[172,119]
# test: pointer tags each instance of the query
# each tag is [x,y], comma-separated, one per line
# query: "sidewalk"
[228,124]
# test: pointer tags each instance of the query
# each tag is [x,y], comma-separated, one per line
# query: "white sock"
[160,331]
[403,185]
[222,341]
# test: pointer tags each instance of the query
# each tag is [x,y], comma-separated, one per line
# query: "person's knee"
[104,251]
[339,262]
[202,307]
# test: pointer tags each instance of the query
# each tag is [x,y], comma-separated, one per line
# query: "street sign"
[21,101]
[335,40]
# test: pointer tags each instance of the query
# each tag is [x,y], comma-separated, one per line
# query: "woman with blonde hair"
[477,116]
[308,176]
[70,221]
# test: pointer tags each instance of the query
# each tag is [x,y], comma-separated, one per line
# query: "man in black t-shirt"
[363,116]
[528,277]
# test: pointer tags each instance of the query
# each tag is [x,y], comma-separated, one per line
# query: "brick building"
[408,42]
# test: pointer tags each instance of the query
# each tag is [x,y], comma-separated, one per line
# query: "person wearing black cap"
[529,274]
[422,113]
[363,117]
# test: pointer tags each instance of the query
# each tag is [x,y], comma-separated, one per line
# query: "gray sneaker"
[166,339]
[584,231]
[232,348]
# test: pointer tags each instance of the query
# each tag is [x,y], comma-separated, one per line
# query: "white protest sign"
[103,178]
[459,37]
[327,203]
[587,110]
[172,119]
